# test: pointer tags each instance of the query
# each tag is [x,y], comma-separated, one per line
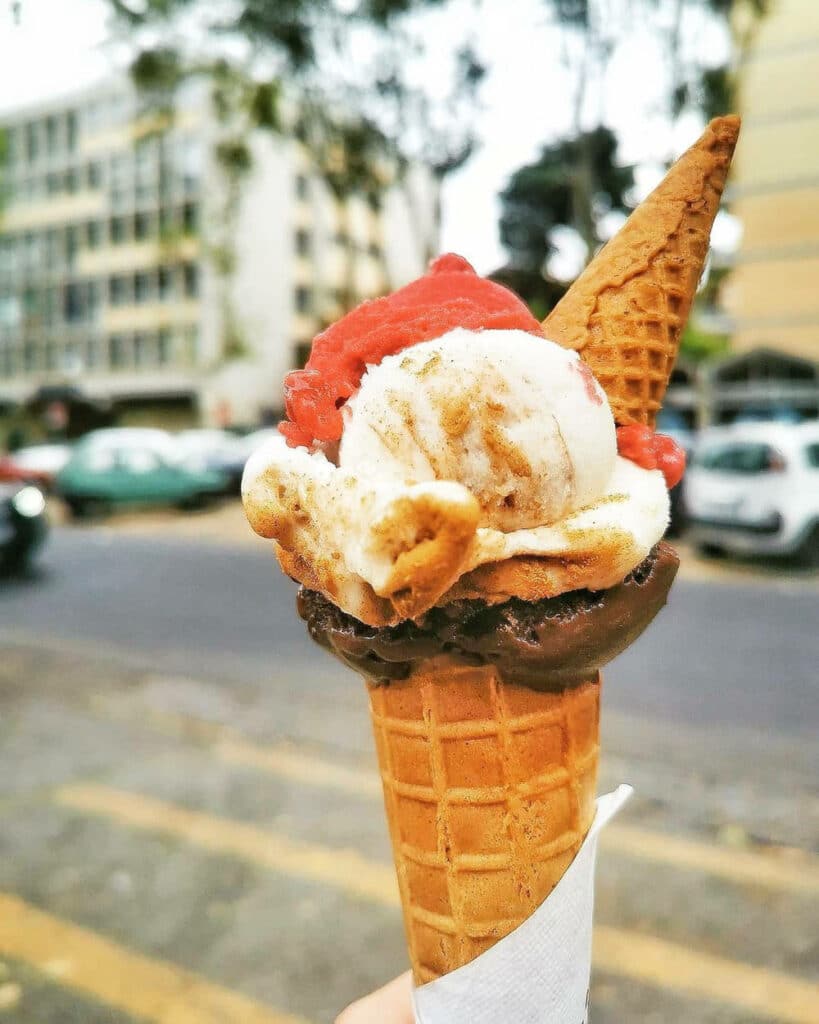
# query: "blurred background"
[189,191]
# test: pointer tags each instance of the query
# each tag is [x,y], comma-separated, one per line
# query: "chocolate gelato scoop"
[547,645]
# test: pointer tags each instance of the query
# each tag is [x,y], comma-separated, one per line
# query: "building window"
[93,174]
[6,362]
[72,242]
[12,145]
[190,159]
[92,353]
[190,218]
[191,275]
[51,244]
[71,361]
[29,356]
[71,131]
[51,134]
[146,170]
[51,304]
[32,304]
[165,281]
[52,360]
[93,299]
[118,291]
[74,303]
[163,346]
[93,234]
[71,181]
[53,184]
[6,256]
[118,230]
[118,351]
[304,299]
[142,226]
[118,181]
[143,286]
[143,350]
[304,242]
[374,249]
[31,249]
[374,201]
[302,186]
[166,221]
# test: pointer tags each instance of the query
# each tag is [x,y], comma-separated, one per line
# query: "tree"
[544,195]
[338,72]
[577,179]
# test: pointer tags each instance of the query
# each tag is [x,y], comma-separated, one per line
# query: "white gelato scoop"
[518,420]
[458,455]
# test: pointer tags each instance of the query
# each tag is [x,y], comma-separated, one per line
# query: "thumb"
[391,1004]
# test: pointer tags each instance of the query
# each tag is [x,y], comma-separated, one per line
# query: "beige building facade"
[772,295]
[137,269]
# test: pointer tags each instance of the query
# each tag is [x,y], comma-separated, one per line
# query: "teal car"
[119,467]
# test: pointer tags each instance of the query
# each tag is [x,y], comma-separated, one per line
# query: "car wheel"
[15,563]
[809,551]
[194,502]
[711,550]
[88,508]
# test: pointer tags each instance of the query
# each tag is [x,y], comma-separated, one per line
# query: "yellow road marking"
[790,869]
[797,871]
[344,869]
[652,961]
[800,874]
[667,965]
[287,763]
[128,981]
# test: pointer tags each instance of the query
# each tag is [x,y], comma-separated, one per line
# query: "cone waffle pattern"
[626,312]
[490,792]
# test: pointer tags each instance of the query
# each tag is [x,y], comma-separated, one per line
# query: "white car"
[753,488]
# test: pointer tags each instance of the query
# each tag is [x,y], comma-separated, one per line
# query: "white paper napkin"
[539,974]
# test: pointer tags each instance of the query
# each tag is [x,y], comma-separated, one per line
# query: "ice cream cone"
[626,312]
[489,789]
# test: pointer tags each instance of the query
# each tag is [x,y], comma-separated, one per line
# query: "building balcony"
[53,210]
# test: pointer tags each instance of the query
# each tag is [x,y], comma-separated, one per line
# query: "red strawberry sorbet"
[449,295]
[652,451]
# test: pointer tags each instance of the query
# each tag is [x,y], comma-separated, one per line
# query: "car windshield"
[744,459]
[127,437]
[204,442]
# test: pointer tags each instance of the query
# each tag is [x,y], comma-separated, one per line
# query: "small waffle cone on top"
[489,790]
[626,312]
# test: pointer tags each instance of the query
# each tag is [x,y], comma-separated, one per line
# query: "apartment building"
[772,296]
[147,266]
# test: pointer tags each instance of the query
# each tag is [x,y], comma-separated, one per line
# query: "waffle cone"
[489,790]
[626,312]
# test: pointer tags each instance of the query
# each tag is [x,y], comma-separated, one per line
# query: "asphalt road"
[724,655]
[187,795]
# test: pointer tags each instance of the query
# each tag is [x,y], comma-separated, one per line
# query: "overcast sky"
[61,44]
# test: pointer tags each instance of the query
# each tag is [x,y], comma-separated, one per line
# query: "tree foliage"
[544,195]
[258,52]
[577,179]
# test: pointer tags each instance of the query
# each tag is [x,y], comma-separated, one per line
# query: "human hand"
[391,1004]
